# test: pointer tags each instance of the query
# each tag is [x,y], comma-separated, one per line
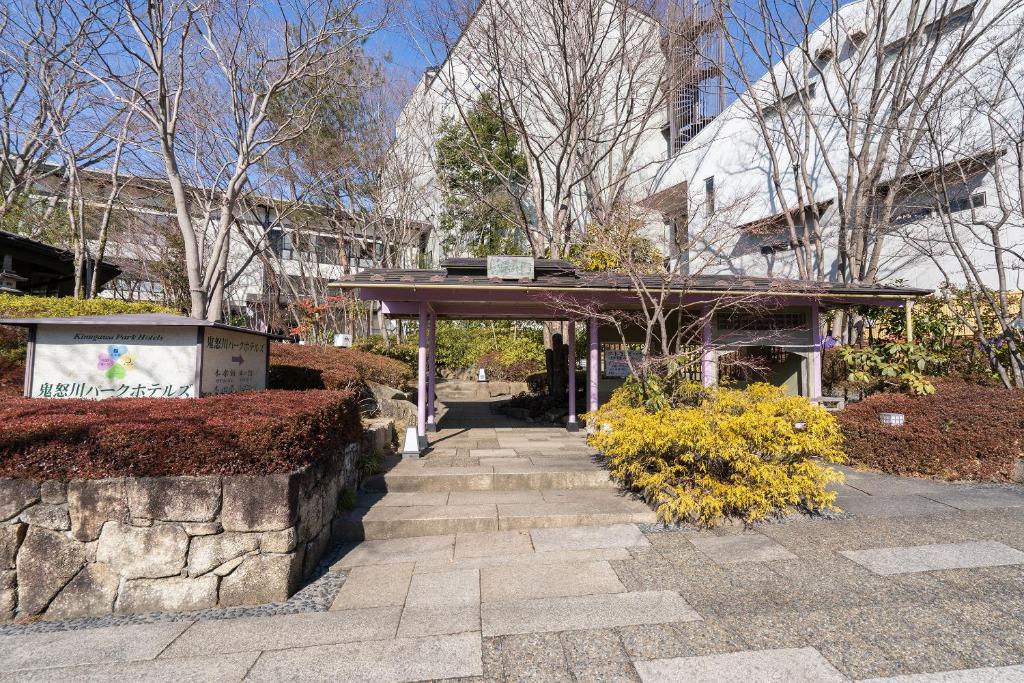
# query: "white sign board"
[510,267]
[233,361]
[615,363]
[98,362]
[343,340]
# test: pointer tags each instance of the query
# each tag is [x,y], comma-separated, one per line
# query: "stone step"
[499,477]
[378,518]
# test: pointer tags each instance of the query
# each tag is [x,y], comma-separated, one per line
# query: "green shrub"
[25,306]
[750,453]
[893,366]
[405,352]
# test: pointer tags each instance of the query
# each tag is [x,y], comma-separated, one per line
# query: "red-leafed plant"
[248,433]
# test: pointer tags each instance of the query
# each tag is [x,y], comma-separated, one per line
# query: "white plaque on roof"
[510,267]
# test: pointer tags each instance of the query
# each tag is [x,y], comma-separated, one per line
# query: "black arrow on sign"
[236,359]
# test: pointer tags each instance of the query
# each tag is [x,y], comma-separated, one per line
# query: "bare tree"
[840,116]
[579,85]
[967,194]
[212,80]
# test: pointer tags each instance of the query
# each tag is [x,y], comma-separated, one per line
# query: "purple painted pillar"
[421,385]
[431,370]
[594,367]
[816,351]
[707,359]
[571,341]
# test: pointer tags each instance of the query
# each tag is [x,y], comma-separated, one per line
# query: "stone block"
[260,503]
[134,553]
[47,516]
[279,541]
[311,515]
[11,536]
[8,603]
[174,499]
[206,553]
[313,551]
[46,562]
[228,566]
[8,579]
[1017,474]
[16,495]
[90,593]
[261,579]
[93,502]
[202,528]
[379,435]
[174,594]
[53,492]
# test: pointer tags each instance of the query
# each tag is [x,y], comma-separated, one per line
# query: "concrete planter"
[96,547]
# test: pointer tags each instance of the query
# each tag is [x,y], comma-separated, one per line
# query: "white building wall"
[733,150]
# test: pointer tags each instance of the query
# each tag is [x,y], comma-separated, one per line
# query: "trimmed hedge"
[963,431]
[26,306]
[297,367]
[247,433]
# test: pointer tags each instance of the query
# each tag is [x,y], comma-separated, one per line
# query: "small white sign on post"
[343,340]
[510,267]
[615,363]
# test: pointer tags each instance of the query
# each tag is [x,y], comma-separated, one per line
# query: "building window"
[709,195]
[975,201]
[774,248]
[954,21]
[281,244]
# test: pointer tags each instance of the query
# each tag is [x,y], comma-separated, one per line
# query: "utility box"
[149,355]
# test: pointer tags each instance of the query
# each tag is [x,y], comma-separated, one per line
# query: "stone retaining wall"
[125,545]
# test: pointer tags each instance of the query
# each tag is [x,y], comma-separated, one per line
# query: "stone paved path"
[924,582]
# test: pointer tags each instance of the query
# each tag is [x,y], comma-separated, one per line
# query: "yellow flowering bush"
[751,453]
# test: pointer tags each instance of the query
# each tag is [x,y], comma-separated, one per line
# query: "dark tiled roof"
[472,274]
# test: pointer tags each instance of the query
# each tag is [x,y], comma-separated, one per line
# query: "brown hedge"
[246,433]
[963,431]
[294,366]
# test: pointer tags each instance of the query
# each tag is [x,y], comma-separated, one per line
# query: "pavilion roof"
[557,275]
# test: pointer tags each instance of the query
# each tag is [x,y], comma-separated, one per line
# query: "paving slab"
[389,661]
[287,631]
[400,550]
[740,548]
[891,505]
[993,674]
[492,453]
[588,537]
[375,585]
[924,558]
[223,668]
[504,584]
[794,665]
[979,498]
[552,557]
[87,646]
[584,612]
[442,603]
[494,543]
[611,510]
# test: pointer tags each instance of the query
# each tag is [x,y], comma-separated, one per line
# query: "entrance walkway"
[485,472]
[924,583]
